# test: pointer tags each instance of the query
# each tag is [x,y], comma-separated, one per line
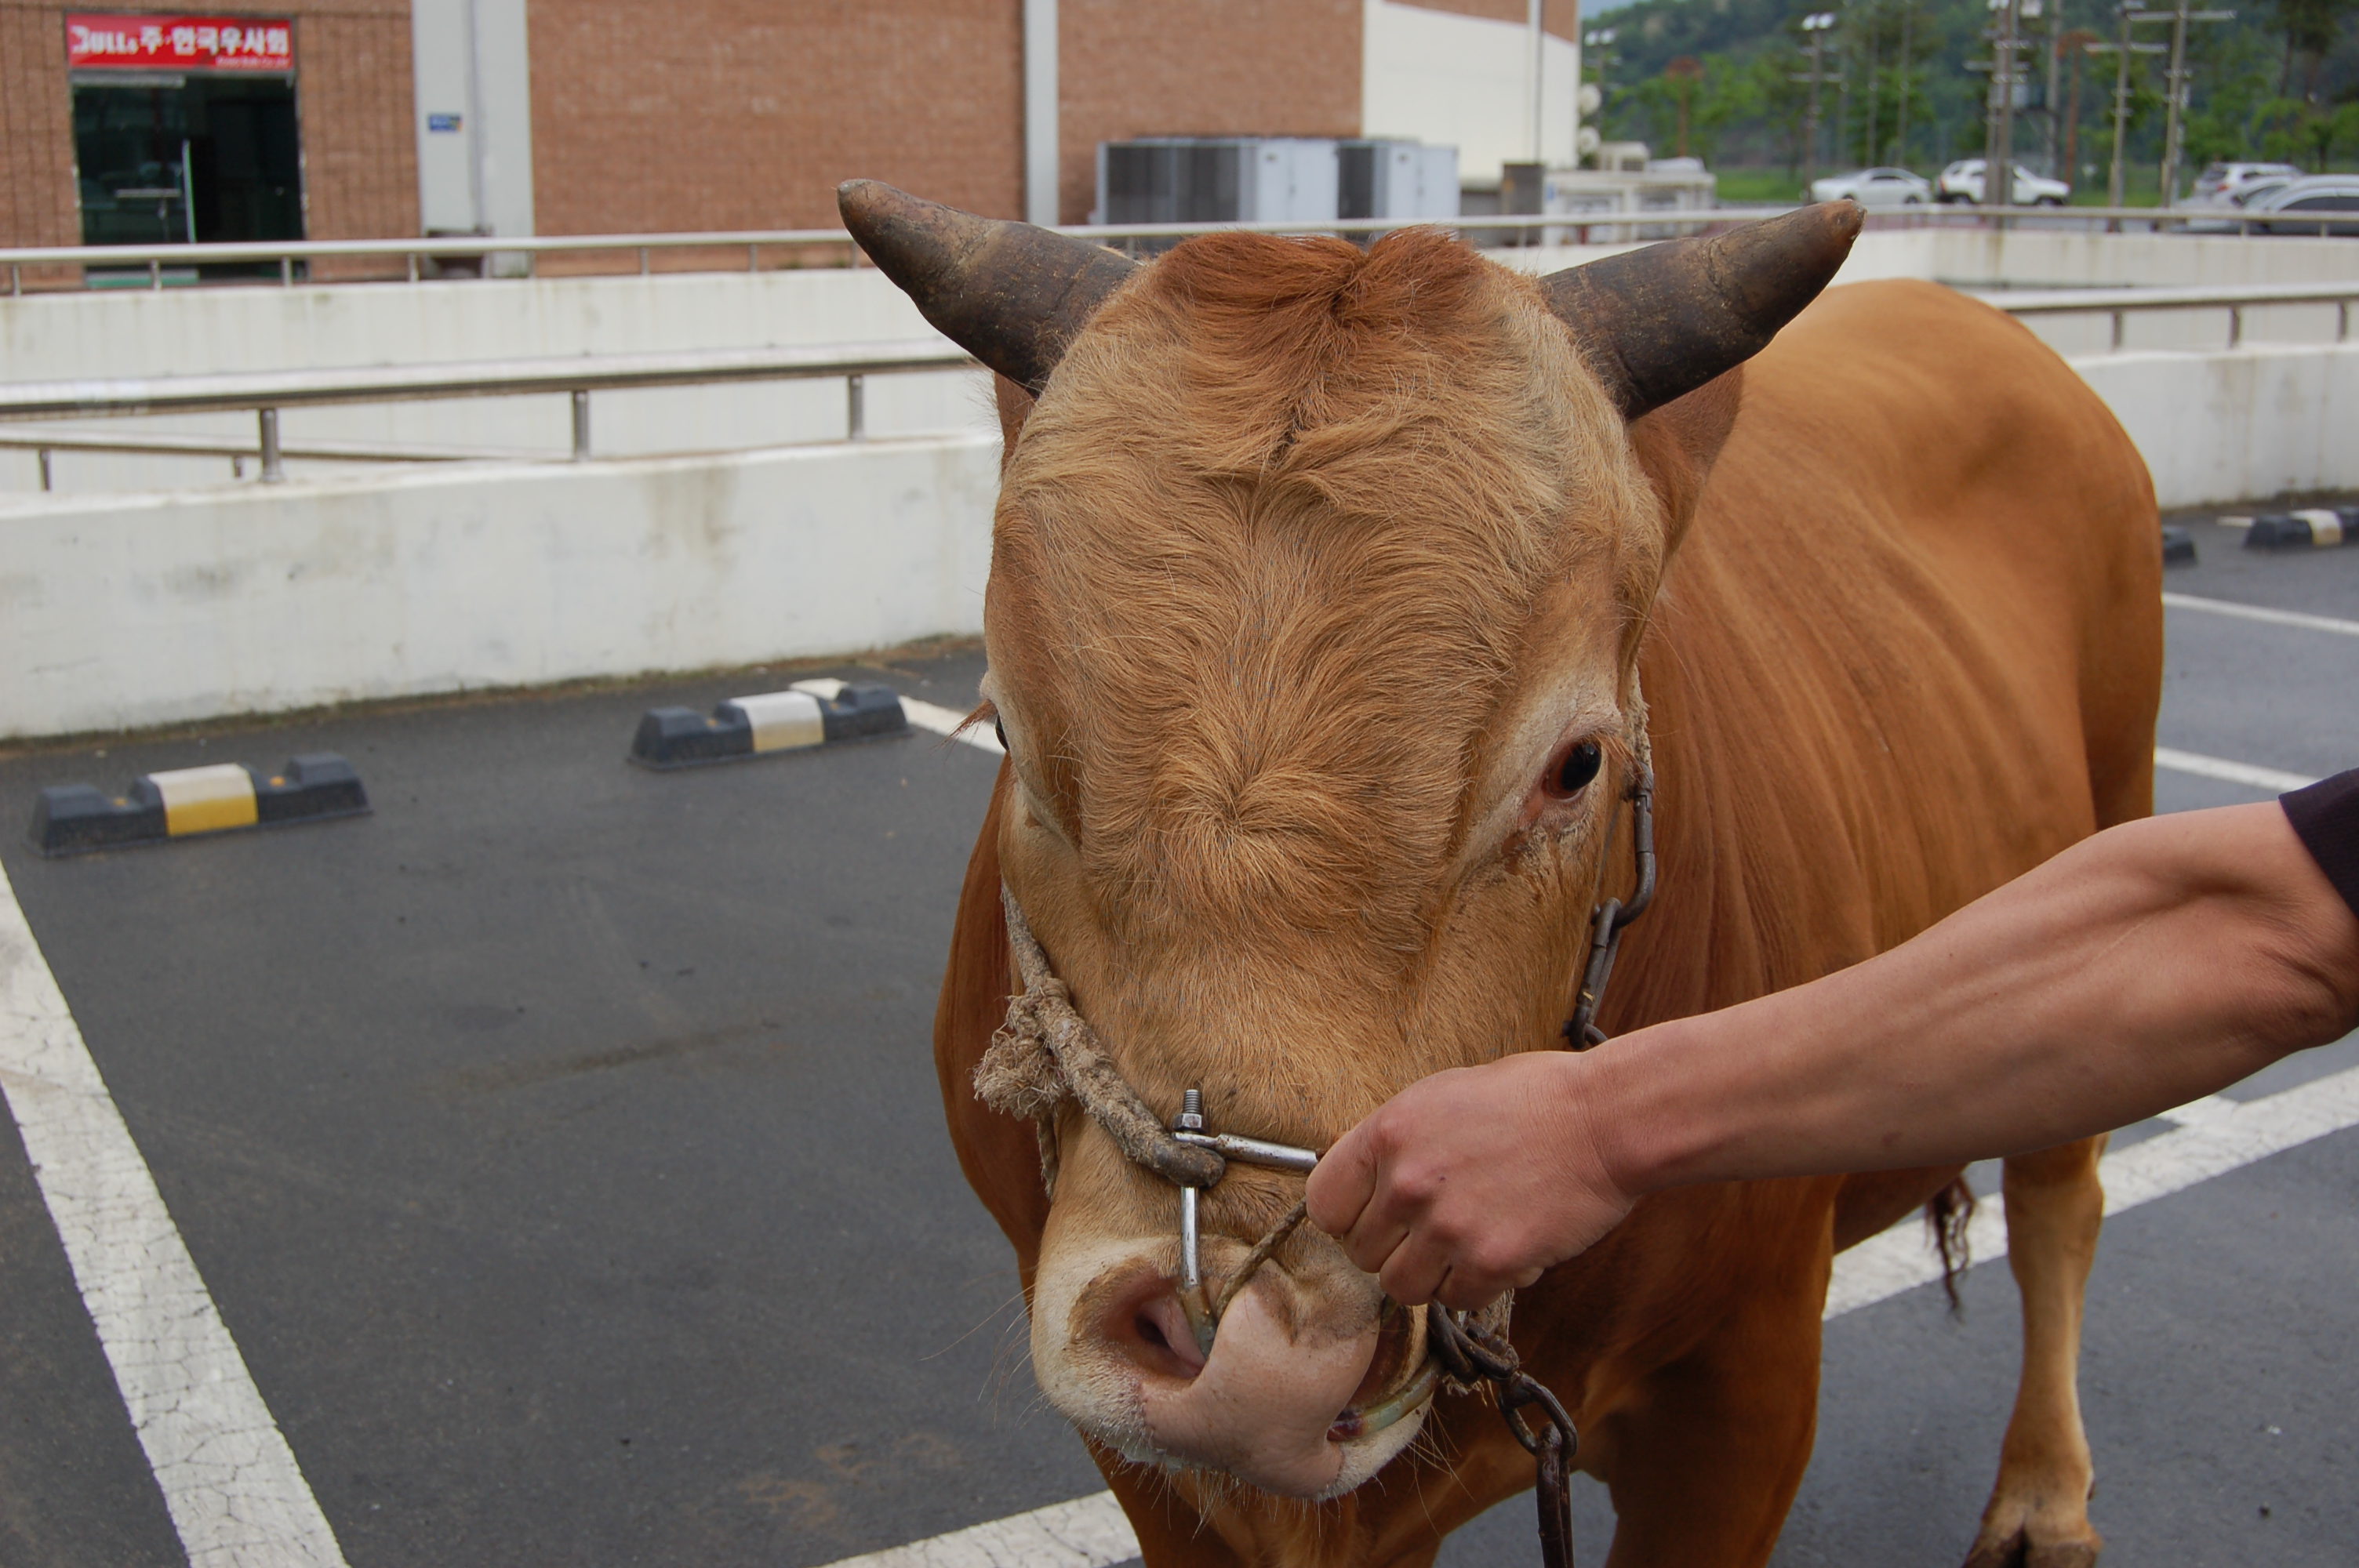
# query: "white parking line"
[231,1483]
[1088,1532]
[2260,613]
[2215,1136]
[2273,780]
[944,721]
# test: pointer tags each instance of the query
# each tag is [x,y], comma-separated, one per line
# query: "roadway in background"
[561,1146]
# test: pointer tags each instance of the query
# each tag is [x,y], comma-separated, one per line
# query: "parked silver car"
[1875,188]
[2230,201]
[2316,196]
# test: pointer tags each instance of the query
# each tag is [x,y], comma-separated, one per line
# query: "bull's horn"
[1659,322]
[1011,294]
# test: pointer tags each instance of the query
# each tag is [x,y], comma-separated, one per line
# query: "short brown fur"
[1286,530]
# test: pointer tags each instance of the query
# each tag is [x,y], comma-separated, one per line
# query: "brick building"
[387,118]
[315,142]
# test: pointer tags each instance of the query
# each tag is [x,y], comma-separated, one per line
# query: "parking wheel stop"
[73,819]
[2311,527]
[807,714]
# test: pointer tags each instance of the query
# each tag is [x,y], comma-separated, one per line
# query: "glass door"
[174,159]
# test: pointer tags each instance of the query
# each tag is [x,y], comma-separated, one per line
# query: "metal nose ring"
[1189,1126]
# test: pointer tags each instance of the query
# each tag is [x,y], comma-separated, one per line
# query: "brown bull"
[1337,596]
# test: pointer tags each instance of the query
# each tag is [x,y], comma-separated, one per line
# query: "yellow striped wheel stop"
[73,819]
[807,713]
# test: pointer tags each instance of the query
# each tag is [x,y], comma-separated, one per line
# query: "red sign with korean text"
[108,42]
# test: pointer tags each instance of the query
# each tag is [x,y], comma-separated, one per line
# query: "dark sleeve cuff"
[2326,816]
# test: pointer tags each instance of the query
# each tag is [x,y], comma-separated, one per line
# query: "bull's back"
[1910,647]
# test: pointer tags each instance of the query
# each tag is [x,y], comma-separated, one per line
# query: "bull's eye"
[1001,730]
[1572,775]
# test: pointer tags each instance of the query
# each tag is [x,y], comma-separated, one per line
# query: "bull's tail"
[1948,1213]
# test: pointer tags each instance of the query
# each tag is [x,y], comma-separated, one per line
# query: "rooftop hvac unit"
[1217,180]
[1396,180]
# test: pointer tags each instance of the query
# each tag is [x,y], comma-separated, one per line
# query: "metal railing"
[419,254]
[49,442]
[2119,303]
[264,392]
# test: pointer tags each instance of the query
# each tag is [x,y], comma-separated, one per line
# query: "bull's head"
[1319,578]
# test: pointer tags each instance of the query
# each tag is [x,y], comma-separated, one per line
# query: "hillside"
[2280,81]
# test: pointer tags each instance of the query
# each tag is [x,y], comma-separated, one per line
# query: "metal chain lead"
[1471,1355]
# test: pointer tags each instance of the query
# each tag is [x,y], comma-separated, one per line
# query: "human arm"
[2158,961]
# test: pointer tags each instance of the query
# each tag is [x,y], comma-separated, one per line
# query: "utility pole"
[1867,142]
[1842,100]
[1814,27]
[1683,73]
[2055,118]
[1908,68]
[1998,140]
[2177,99]
[2076,43]
[2128,12]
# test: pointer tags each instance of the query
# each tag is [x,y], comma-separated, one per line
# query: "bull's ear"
[1014,406]
[1011,294]
[1659,322]
[1677,445]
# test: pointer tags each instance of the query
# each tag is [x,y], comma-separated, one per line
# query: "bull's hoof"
[2029,1545]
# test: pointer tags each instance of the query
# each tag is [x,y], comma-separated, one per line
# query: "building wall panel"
[37,156]
[354,93]
[747,113]
[1217,67]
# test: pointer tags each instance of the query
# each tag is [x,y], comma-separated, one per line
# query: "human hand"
[1470,1182]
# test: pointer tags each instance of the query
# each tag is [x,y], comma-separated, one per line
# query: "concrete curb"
[74,819]
[807,714]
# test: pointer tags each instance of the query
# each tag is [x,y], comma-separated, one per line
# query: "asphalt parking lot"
[560,1146]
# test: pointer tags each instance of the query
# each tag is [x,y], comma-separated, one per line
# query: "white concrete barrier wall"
[137,332]
[2238,425]
[141,609]
[136,609]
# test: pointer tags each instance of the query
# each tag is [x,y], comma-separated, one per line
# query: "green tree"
[2311,28]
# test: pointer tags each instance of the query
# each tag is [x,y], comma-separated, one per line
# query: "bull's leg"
[1704,1466]
[2039,1512]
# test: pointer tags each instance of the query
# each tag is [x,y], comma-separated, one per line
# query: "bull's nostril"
[1145,1323]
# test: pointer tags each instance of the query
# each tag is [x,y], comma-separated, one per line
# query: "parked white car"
[1875,188]
[2221,182]
[1963,181]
